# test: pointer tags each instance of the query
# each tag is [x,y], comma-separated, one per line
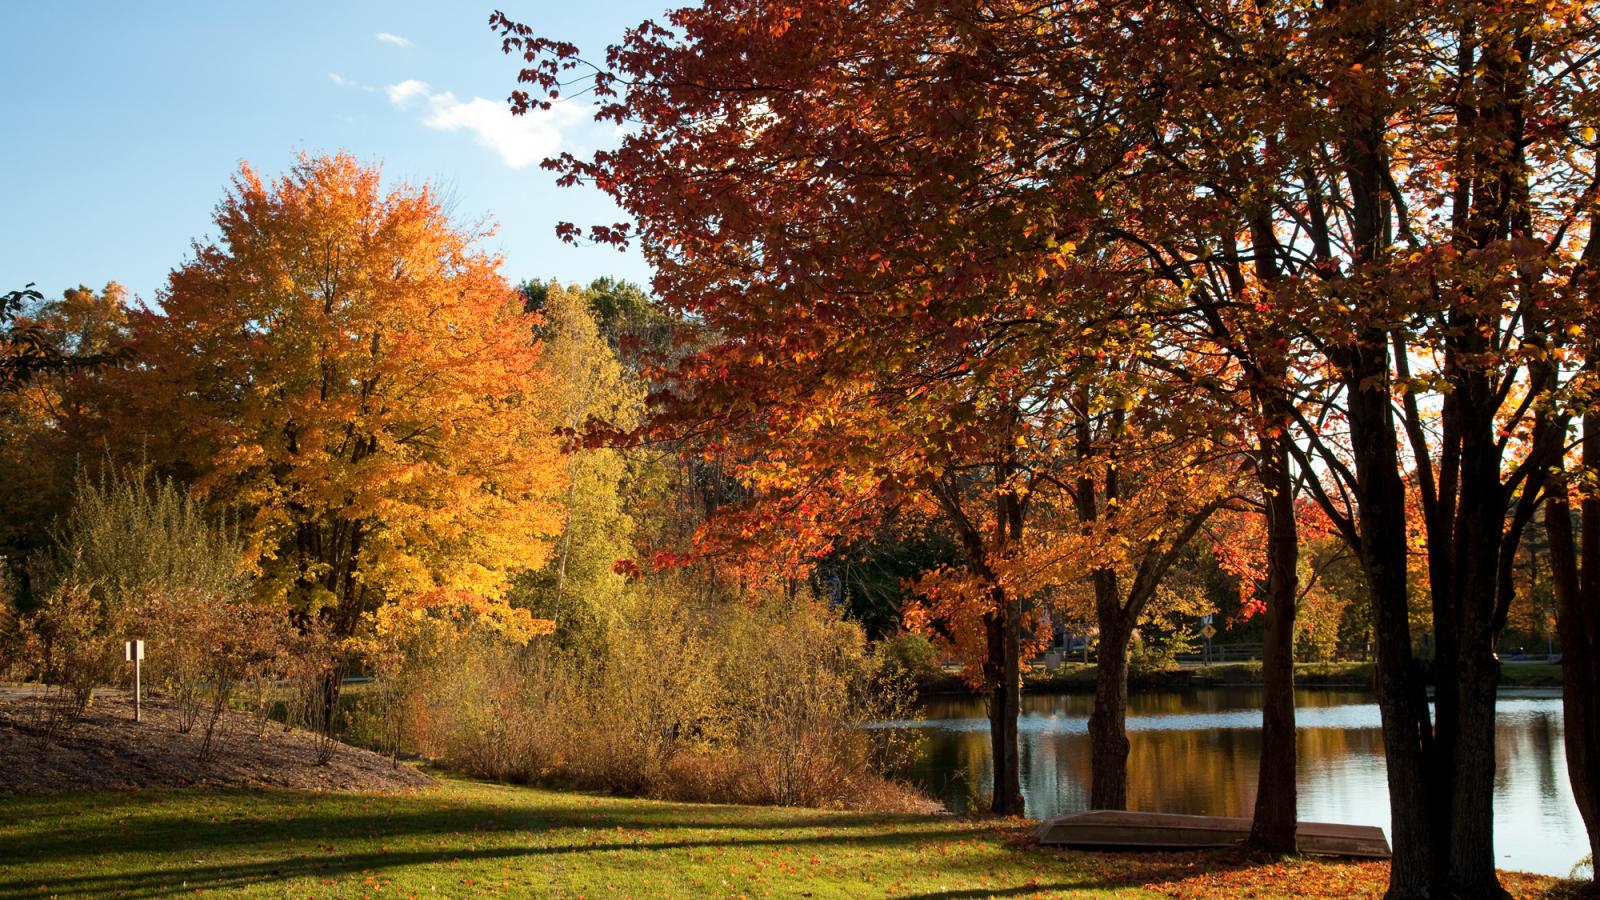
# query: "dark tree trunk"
[1108,735]
[1002,664]
[326,716]
[1363,365]
[1276,812]
[1471,671]
[1005,705]
[1575,562]
[1402,700]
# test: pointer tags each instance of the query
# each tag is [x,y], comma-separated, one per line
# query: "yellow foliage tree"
[345,371]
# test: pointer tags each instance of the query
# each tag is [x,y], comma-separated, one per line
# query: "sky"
[123,123]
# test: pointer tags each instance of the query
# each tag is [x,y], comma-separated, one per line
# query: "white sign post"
[134,653]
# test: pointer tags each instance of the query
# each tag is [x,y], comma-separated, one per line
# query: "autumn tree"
[50,407]
[1572,522]
[31,345]
[578,587]
[1143,471]
[894,282]
[361,387]
[1360,174]
[1387,151]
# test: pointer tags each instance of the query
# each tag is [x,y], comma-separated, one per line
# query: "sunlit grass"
[467,837]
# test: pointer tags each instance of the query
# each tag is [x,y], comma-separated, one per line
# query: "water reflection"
[1197,752]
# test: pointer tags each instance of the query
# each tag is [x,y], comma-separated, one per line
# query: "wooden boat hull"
[1114,829]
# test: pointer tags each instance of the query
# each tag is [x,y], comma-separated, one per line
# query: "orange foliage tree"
[893,291]
[1147,469]
[1420,177]
[832,187]
[50,406]
[344,372]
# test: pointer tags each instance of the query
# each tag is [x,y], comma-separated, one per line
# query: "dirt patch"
[106,750]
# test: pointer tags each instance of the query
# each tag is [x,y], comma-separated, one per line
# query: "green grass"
[470,838]
[1530,675]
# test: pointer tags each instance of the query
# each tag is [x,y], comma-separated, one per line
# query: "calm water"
[1197,752]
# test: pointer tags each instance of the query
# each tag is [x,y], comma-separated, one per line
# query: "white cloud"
[394,39]
[521,141]
[344,82]
[403,93]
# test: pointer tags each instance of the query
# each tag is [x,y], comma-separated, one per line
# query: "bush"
[11,637]
[807,689]
[1154,653]
[71,643]
[911,653]
[314,665]
[134,557]
[243,646]
[685,700]
[128,533]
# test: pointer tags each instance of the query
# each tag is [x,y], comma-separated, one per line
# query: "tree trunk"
[1466,734]
[1402,699]
[330,684]
[1002,664]
[1276,812]
[1363,365]
[1577,588]
[1005,705]
[1108,737]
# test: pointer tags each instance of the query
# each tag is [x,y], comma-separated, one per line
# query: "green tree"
[579,587]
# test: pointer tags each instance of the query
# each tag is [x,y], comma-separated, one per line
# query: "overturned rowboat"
[1107,829]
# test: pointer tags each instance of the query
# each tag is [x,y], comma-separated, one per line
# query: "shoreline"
[1072,678]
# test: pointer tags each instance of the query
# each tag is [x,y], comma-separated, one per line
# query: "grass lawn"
[470,838]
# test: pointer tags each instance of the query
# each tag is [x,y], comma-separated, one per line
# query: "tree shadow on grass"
[134,882]
[67,825]
[139,844]
[162,842]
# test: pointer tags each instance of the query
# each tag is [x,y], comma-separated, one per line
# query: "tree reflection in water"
[1197,752]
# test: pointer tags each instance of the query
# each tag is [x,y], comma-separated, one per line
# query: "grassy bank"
[465,837]
[1074,677]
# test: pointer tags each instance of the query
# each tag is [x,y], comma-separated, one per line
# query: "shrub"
[11,638]
[128,533]
[135,557]
[807,689]
[314,664]
[685,699]
[71,643]
[910,653]
[243,645]
[1153,652]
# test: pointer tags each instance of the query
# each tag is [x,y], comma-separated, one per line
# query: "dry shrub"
[203,648]
[244,644]
[70,642]
[314,664]
[759,703]
[135,557]
[176,657]
[12,642]
[801,688]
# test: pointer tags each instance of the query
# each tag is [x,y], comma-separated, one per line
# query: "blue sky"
[124,121]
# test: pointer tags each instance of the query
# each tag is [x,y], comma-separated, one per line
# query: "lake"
[1197,752]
